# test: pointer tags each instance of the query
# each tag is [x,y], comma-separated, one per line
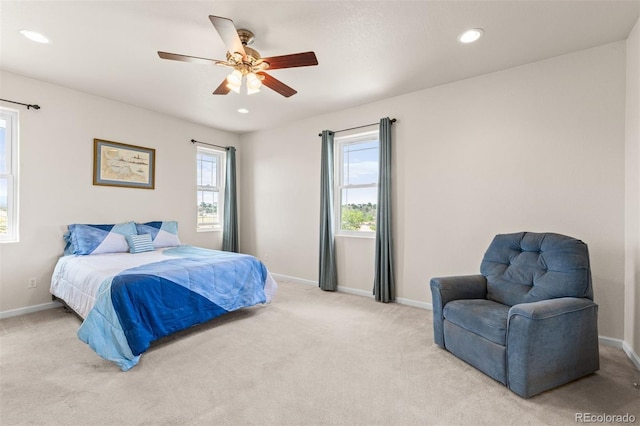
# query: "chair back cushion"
[528,267]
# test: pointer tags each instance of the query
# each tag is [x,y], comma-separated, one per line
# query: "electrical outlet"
[33,282]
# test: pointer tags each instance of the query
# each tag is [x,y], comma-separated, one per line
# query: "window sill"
[368,236]
[210,230]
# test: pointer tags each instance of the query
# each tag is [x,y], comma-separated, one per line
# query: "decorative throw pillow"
[139,243]
[163,234]
[97,239]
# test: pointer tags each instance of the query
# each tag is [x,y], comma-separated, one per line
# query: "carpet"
[309,358]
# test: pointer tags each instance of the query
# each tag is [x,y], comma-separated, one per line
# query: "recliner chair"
[529,320]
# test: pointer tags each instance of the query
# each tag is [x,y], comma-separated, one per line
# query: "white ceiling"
[367,51]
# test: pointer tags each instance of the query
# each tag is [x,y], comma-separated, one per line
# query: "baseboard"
[631,354]
[287,278]
[350,290]
[29,310]
[621,344]
[355,291]
[415,303]
[610,341]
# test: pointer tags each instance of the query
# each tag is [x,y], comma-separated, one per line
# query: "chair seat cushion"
[483,317]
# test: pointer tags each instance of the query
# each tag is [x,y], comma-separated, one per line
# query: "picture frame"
[119,164]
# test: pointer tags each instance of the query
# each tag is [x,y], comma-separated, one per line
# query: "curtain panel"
[384,285]
[328,276]
[230,231]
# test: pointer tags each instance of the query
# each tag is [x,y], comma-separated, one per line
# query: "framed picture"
[119,164]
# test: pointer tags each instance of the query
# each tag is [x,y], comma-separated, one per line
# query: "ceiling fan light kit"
[247,64]
[234,81]
[253,83]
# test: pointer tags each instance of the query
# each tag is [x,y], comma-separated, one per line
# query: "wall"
[56,166]
[632,194]
[538,147]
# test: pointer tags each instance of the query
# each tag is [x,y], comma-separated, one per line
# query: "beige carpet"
[309,358]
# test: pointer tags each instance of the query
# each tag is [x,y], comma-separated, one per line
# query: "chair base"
[486,356]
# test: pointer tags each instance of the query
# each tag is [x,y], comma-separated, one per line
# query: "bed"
[128,299]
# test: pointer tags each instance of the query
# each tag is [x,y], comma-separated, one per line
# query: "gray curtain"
[384,285]
[230,231]
[328,276]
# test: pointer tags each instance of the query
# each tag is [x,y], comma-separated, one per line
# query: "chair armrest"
[549,308]
[446,289]
[460,287]
[551,342]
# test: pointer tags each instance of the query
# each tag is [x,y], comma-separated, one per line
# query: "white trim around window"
[210,164]
[356,183]
[9,141]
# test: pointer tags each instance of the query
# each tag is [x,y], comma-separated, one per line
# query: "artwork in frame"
[119,164]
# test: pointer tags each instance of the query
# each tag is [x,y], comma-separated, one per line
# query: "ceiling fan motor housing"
[246,37]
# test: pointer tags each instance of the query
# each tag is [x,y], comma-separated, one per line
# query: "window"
[210,167]
[356,183]
[8,175]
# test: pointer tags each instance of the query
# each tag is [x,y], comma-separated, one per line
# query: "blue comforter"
[142,304]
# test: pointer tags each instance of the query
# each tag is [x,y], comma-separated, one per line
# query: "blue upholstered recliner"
[529,320]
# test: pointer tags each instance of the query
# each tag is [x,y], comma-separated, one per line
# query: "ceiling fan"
[246,62]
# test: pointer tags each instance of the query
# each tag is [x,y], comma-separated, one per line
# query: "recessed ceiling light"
[243,110]
[471,35]
[34,36]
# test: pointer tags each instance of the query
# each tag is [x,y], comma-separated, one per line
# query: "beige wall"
[538,147]
[56,166]
[542,147]
[632,193]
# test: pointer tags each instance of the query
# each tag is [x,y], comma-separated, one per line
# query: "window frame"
[12,139]
[339,143]
[220,155]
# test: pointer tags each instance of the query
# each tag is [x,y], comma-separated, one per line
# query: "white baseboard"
[631,354]
[415,303]
[287,278]
[28,310]
[621,344]
[356,291]
[350,290]
[610,341]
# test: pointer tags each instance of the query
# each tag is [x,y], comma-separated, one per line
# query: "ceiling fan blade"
[277,85]
[228,33]
[303,59]
[185,58]
[223,89]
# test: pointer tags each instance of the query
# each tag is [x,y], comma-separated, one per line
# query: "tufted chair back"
[528,267]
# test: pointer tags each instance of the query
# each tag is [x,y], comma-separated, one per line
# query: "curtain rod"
[20,103]
[393,120]
[210,144]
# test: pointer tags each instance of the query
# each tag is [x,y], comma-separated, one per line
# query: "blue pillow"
[139,243]
[163,234]
[97,239]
